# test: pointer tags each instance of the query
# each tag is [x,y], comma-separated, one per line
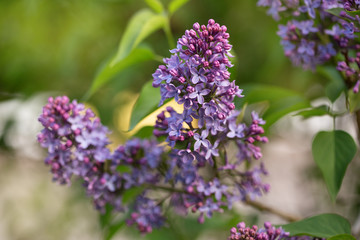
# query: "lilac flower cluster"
[77,145]
[76,142]
[195,174]
[319,30]
[197,76]
[269,232]
[241,232]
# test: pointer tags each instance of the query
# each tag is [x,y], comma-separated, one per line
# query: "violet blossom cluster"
[197,77]
[77,145]
[204,169]
[320,32]
[269,232]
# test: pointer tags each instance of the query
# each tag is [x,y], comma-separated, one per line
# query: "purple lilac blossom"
[77,146]
[269,232]
[147,215]
[199,71]
[241,232]
[197,76]
[308,44]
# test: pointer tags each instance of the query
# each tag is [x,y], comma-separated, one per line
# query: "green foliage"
[141,25]
[123,169]
[337,11]
[145,132]
[108,71]
[175,5]
[156,5]
[342,237]
[323,226]
[189,227]
[353,101]
[114,228]
[108,226]
[145,104]
[130,194]
[314,112]
[106,217]
[332,152]
[336,85]
[279,101]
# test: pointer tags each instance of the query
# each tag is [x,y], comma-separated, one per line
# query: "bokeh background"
[56,48]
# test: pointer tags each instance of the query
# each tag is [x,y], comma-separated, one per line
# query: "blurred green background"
[59,45]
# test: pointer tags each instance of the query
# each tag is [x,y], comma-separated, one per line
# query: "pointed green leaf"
[332,152]
[342,237]
[337,11]
[131,193]
[146,103]
[323,226]
[336,85]
[105,218]
[175,5]
[145,132]
[314,112]
[354,101]
[114,228]
[280,101]
[156,5]
[107,72]
[141,25]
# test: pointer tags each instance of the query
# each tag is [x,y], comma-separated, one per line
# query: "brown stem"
[257,205]
[264,208]
[357,113]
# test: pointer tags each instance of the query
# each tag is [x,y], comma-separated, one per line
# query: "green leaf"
[145,132]
[114,228]
[332,152]
[354,101]
[342,237]
[336,85]
[146,103]
[337,11]
[280,101]
[123,169]
[105,218]
[323,226]
[107,72]
[175,5]
[131,193]
[314,112]
[156,5]
[141,25]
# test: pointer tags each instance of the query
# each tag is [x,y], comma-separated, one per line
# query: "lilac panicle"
[75,139]
[77,145]
[191,172]
[197,77]
[269,232]
[147,215]
[313,35]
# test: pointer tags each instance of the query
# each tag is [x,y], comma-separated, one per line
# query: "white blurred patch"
[21,136]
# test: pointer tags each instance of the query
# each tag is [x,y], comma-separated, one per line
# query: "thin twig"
[357,113]
[260,206]
[264,208]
